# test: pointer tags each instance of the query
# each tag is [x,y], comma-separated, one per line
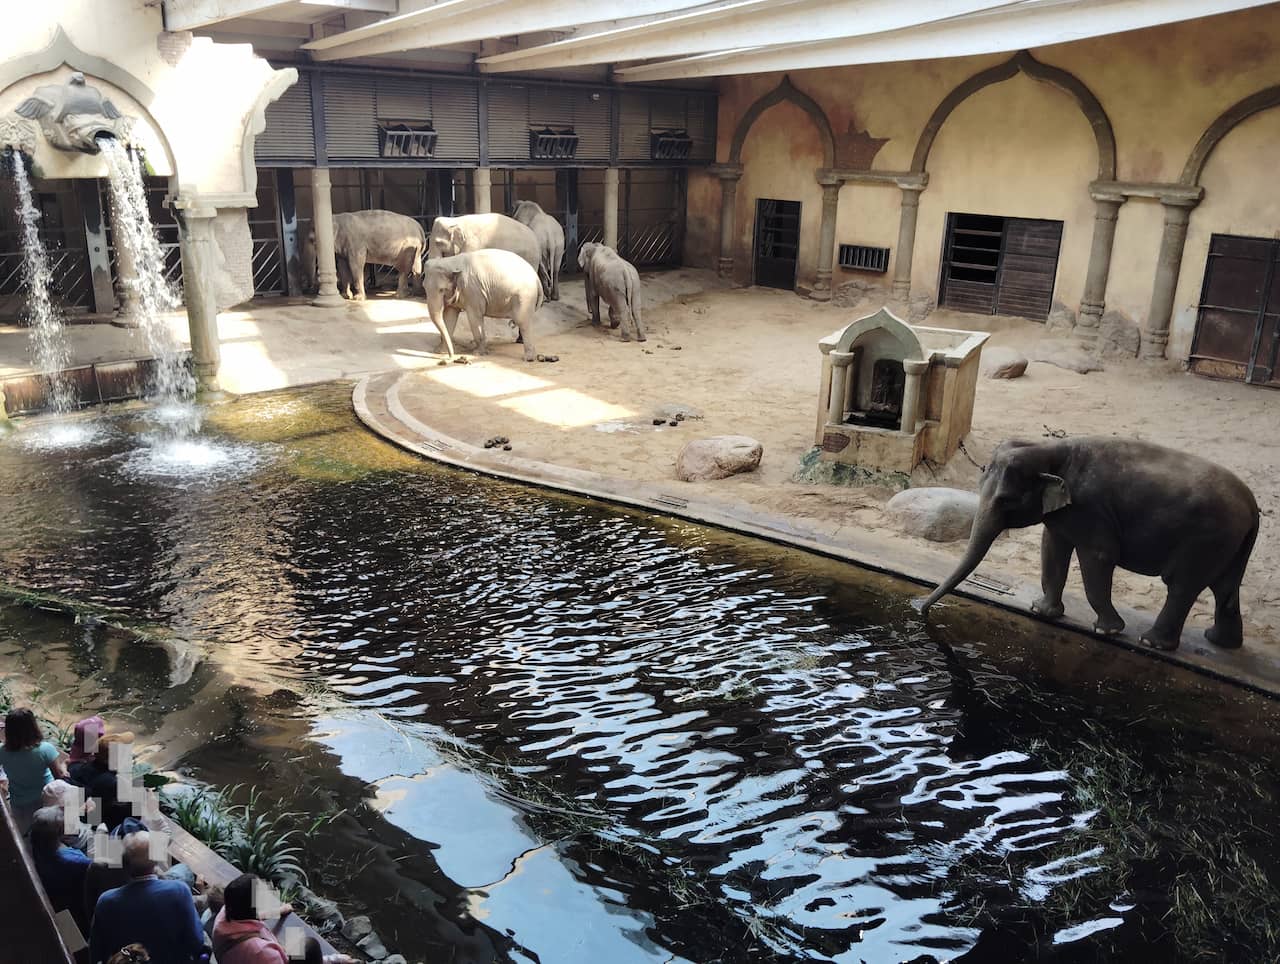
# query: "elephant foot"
[1232,638]
[625,336]
[1159,643]
[641,338]
[531,356]
[1049,609]
[614,324]
[1108,625]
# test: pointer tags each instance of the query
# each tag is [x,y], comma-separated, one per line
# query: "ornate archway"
[785,92]
[1227,121]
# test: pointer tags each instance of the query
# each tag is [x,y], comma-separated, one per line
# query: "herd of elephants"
[1112,502]
[487,265]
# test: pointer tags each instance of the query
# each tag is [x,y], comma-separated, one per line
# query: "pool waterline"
[784,759]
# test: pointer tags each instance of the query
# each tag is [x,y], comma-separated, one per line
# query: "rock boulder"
[939,514]
[1064,355]
[718,457]
[1118,336]
[1003,363]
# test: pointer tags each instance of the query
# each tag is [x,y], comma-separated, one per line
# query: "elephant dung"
[718,457]
[1003,363]
[676,410]
[1066,356]
[939,514]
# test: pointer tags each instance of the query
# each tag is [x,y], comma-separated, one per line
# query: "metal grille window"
[670,145]
[862,257]
[550,144]
[406,140]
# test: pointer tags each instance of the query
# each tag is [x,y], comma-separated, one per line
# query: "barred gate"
[269,271]
[61,228]
[653,208]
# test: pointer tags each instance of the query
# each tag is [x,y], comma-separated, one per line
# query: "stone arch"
[785,92]
[256,122]
[1227,121]
[886,322]
[1022,62]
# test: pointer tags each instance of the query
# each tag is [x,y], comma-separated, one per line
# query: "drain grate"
[672,500]
[990,585]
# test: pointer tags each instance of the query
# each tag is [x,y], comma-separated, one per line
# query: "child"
[29,761]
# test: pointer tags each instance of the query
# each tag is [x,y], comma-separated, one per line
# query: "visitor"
[29,762]
[84,744]
[100,783]
[314,954]
[213,903]
[133,954]
[239,936]
[61,794]
[158,914]
[61,868]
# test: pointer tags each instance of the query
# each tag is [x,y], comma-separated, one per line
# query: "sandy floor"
[749,360]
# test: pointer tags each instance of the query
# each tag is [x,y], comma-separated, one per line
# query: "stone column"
[1155,335]
[839,384]
[1092,303]
[826,236]
[322,223]
[126,275]
[611,207]
[729,175]
[915,369]
[482,180]
[906,241]
[199,264]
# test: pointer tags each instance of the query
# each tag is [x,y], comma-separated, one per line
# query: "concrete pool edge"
[376,401]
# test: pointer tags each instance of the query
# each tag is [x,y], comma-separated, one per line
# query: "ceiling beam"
[735,25]
[363,6]
[1036,24]
[465,21]
[194,14]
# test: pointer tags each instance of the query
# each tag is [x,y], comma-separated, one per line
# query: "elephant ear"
[1054,495]
[455,238]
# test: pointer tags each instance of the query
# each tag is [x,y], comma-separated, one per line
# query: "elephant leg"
[593,301]
[1055,560]
[555,282]
[1097,574]
[1227,630]
[451,320]
[356,262]
[1167,631]
[523,319]
[475,318]
[617,314]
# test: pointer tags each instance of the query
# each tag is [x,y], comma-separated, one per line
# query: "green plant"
[6,696]
[202,813]
[262,847]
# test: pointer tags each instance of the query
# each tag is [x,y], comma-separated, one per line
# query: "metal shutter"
[457,121]
[288,135]
[702,128]
[403,98]
[350,116]
[591,121]
[634,125]
[667,111]
[508,123]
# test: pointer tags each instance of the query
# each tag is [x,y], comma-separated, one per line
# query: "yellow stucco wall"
[1024,148]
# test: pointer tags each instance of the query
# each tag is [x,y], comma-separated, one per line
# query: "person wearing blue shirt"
[61,868]
[148,910]
[29,762]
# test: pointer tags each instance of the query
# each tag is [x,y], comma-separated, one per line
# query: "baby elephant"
[486,283]
[609,277]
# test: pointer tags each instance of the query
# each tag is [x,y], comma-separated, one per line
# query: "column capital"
[726,172]
[829,180]
[841,359]
[1112,199]
[915,366]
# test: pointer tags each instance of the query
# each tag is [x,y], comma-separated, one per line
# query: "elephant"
[616,280]
[1120,502]
[375,237]
[487,283]
[550,237]
[475,232]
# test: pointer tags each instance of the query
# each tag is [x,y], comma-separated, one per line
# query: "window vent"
[670,145]
[552,144]
[397,139]
[861,257]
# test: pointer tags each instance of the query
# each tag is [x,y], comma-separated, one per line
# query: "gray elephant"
[475,232]
[1121,502]
[487,283]
[550,243]
[374,237]
[616,280]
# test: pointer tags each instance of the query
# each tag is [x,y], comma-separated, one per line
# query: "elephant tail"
[1234,573]
[634,298]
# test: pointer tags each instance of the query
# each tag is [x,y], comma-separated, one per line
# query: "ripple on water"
[58,436]
[192,459]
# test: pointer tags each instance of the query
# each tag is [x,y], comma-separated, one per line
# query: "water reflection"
[559,733]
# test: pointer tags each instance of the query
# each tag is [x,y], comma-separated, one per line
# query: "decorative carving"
[857,148]
[73,115]
[834,442]
[18,134]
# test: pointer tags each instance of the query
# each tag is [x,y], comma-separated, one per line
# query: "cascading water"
[49,348]
[153,295]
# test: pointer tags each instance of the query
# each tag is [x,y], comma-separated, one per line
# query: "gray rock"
[357,929]
[318,907]
[395,959]
[373,948]
[1061,318]
[673,409]
[1003,363]
[920,307]
[1118,336]
[718,457]
[1065,355]
[853,293]
[939,514]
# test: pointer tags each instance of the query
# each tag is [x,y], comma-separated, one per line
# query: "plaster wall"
[1024,148]
[702,226]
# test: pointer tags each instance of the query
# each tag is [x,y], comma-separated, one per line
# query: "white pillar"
[915,369]
[482,188]
[322,222]
[611,207]
[199,261]
[839,381]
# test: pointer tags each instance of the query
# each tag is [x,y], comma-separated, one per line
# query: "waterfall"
[49,348]
[152,294]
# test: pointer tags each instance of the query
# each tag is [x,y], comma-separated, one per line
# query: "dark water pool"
[545,731]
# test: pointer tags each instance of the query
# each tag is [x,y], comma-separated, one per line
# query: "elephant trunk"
[985,529]
[435,311]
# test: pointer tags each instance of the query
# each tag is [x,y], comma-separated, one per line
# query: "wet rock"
[395,959]
[1003,363]
[318,909]
[357,929]
[939,514]
[373,947]
[1073,358]
[718,458]
[1118,336]
[676,410]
